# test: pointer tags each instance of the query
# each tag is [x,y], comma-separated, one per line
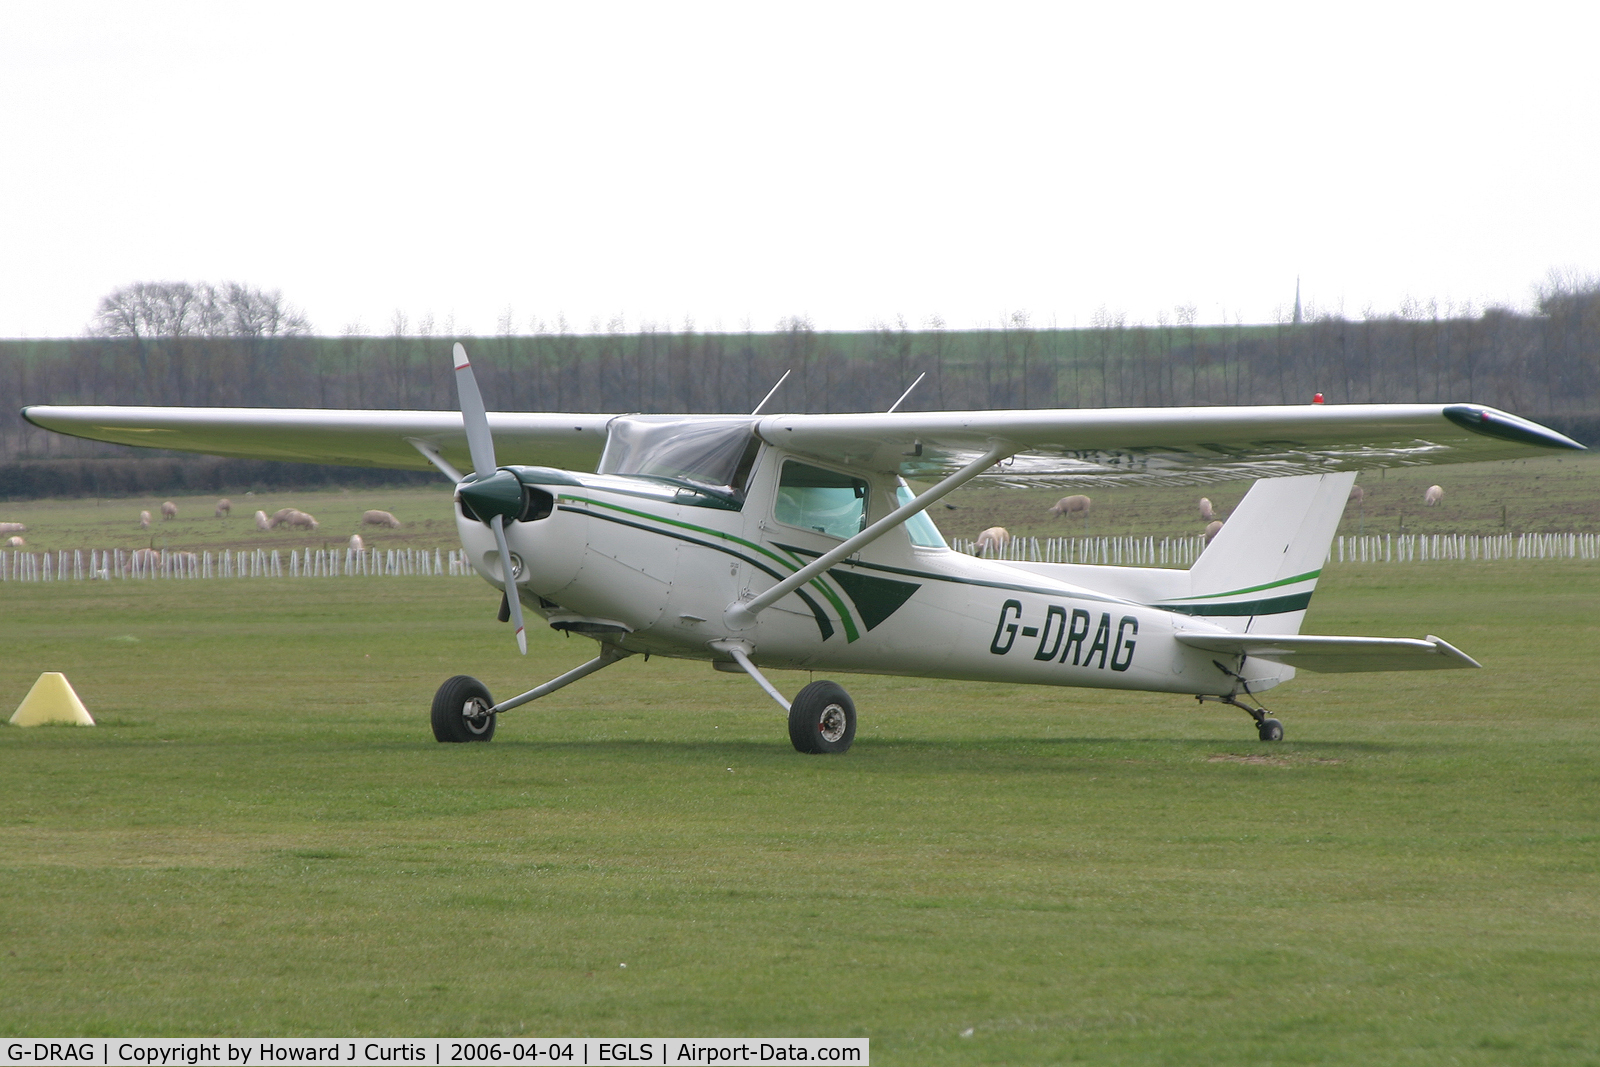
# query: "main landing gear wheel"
[1269,730]
[822,719]
[461,711]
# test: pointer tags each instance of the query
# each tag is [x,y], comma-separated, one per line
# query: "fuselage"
[651,564]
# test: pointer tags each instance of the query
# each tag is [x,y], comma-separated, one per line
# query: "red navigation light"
[1317,399]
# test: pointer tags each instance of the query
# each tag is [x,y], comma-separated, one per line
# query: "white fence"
[148,564]
[1415,548]
[1113,551]
[1372,548]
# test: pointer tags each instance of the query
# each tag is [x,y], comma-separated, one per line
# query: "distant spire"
[1297,317]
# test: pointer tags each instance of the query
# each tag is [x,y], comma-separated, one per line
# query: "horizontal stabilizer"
[1337,654]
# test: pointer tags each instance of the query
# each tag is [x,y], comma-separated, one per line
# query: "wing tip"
[1492,422]
[1445,648]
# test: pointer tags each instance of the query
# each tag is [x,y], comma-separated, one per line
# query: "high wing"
[1337,654]
[317,435]
[1172,446]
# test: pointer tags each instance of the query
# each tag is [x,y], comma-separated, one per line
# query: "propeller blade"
[509,574]
[485,493]
[474,415]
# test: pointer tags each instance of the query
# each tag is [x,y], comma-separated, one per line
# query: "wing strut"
[741,615]
[431,454]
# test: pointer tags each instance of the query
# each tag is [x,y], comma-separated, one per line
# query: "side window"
[820,500]
[924,534]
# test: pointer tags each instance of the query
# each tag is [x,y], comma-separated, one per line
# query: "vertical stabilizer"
[1258,573]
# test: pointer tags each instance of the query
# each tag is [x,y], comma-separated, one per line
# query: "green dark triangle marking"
[875,598]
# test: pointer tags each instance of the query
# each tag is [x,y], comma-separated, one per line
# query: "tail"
[1258,573]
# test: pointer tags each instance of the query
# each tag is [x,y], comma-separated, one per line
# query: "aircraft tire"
[822,719]
[1270,730]
[449,724]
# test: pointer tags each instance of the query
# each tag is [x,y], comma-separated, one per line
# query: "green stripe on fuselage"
[1270,606]
[1306,577]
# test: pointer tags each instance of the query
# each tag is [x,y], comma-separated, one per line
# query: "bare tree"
[183,309]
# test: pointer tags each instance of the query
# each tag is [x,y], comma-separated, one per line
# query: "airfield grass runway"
[262,838]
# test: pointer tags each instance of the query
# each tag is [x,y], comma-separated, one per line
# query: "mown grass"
[261,837]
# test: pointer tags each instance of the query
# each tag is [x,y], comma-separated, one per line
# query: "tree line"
[215,350]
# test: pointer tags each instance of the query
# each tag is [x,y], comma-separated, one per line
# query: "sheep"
[15,542]
[300,520]
[1207,514]
[356,544]
[224,508]
[144,520]
[142,561]
[1357,494]
[1070,505]
[262,522]
[280,517]
[13,528]
[1213,528]
[380,518]
[1433,497]
[995,538]
[169,510]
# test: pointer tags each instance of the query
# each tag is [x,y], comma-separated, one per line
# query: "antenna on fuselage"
[774,389]
[907,393]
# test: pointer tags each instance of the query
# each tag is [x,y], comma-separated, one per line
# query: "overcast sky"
[742,163]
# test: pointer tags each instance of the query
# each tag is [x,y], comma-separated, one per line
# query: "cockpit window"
[708,453]
[821,500]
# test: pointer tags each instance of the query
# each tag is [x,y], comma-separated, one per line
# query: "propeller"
[493,494]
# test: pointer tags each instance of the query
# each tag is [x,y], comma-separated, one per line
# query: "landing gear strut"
[822,718]
[464,711]
[1267,728]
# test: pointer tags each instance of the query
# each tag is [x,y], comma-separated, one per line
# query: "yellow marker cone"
[51,700]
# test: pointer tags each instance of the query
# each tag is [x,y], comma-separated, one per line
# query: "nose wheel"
[462,711]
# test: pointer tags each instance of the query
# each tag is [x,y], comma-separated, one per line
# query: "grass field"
[1549,494]
[113,522]
[261,838]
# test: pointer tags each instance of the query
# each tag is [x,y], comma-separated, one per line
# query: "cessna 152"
[794,541]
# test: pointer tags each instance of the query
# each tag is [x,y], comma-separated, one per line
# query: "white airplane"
[794,541]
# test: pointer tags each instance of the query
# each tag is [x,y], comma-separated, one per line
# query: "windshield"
[708,451]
